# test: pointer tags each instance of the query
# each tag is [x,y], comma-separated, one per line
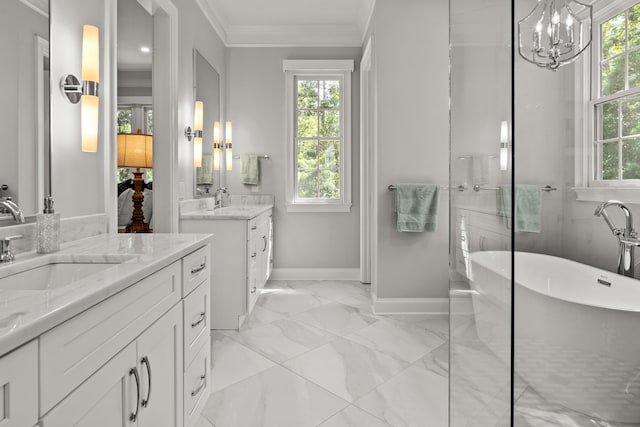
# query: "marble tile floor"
[313,354]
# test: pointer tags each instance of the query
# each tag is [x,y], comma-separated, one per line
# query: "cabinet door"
[106,399]
[19,387]
[160,366]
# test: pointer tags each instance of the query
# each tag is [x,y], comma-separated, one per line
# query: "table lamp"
[136,151]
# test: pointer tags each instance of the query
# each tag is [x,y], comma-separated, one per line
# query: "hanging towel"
[249,170]
[528,206]
[417,207]
[204,174]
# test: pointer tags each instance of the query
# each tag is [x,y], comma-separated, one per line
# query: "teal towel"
[528,206]
[249,169]
[204,174]
[417,207]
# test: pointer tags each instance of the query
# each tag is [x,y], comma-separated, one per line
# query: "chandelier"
[555,32]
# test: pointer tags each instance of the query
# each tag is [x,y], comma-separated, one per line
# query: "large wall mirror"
[207,89]
[24,111]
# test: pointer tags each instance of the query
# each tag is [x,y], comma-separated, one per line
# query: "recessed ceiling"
[135,30]
[289,22]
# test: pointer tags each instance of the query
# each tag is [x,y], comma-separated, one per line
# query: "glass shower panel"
[480,248]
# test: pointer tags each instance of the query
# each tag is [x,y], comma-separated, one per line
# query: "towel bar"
[393,187]
[477,187]
[546,188]
[261,157]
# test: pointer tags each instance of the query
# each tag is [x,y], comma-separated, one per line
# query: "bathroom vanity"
[243,257]
[116,329]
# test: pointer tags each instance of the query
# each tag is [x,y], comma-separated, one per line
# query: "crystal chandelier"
[555,32]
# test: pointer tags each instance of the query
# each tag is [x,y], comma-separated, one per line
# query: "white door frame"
[165,113]
[367,162]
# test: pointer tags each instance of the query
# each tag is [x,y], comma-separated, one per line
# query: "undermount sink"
[51,276]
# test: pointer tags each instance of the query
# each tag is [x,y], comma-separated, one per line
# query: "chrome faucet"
[219,195]
[13,209]
[627,237]
[5,248]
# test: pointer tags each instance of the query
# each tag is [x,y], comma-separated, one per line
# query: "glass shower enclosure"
[539,333]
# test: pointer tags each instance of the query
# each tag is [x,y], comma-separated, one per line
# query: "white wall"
[411,62]
[78,179]
[256,106]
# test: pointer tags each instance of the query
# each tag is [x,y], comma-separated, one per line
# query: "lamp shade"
[89,103]
[135,150]
[216,145]
[228,146]
[90,53]
[198,127]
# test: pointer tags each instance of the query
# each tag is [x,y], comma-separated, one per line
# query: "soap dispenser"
[48,228]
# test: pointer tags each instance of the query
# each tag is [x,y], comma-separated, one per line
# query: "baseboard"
[315,274]
[410,305]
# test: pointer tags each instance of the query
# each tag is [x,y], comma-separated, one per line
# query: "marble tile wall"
[72,228]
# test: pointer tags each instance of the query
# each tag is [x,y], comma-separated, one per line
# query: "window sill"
[319,207]
[601,194]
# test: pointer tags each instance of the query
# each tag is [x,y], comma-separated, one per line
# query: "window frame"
[587,74]
[320,69]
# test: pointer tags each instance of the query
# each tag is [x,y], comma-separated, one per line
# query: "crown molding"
[212,14]
[293,35]
[40,6]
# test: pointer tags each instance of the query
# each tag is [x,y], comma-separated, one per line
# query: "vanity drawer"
[197,319]
[197,385]
[196,268]
[77,348]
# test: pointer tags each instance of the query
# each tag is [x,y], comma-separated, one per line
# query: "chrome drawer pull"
[134,372]
[145,361]
[254,227]
[199,269]
[202,317]
[201,386]
[265,243]
[253,255]
[253,290]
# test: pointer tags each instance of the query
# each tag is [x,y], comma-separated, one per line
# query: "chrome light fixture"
[555,32]
[504,145]
[196,133]
[86,92]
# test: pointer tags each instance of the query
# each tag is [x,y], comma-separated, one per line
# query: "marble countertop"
[228,212]
[26,314]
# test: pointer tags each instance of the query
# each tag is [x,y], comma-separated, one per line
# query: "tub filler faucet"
[627,237]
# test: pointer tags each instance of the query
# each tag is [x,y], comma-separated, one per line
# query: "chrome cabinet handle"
[254,227]
[253,255]
[253,290]
[201,386]
[145,361]
[265,243]
[134,372]
[200,320]
[199,269]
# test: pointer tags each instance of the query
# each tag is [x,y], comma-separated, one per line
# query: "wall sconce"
[216,145]
[504,145]
[228,147]
[86,92]
[196,134]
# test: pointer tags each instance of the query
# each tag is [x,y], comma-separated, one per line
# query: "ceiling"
[135,29]
[289,22]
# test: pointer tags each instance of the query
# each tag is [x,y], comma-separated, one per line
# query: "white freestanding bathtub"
[577,329]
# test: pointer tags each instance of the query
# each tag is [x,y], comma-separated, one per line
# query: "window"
[318,110]
[616,99]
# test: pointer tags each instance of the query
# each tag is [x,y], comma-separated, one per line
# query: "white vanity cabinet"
[242,258]
[139,386]
[19,386]
[126,361]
